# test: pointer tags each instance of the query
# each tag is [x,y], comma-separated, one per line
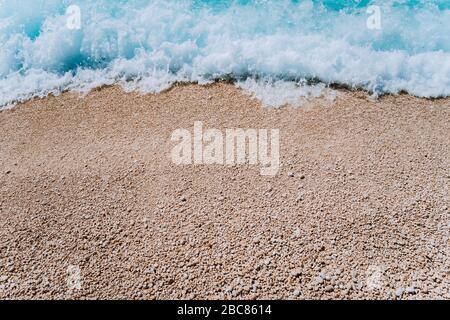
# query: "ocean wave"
[148,45]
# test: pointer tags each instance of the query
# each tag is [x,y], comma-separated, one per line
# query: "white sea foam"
[279,93]
[149,45]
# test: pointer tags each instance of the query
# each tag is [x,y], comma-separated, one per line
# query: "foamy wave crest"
[148,45]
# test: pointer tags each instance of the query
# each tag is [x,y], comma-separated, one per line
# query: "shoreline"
[336,87]
[357,210]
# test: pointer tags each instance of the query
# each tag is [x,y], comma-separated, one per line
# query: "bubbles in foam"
[149,45]
[279,93]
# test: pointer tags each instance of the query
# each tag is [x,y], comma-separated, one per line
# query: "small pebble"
[329,288]
[296,272]
[319,280]
[410,290]
[399,292]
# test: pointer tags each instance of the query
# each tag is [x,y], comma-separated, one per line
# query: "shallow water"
[147,45]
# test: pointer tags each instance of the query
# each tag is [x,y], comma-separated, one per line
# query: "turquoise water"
[148,45]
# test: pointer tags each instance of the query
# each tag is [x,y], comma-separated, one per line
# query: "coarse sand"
[91,205]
